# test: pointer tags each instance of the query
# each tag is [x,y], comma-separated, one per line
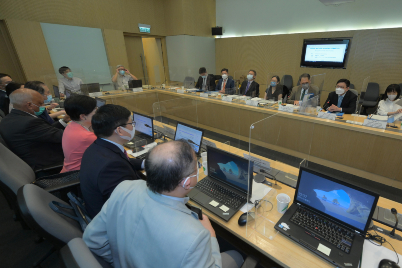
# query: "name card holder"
[252,103]
[204,95]
[138,89]
[226,98]
[375,123]
[181,91]
[287,108]
[325,115]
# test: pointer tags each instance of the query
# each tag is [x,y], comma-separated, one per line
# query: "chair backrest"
[33,203]
[287,80]
[372,92]
[354,91]
[76,254]
[2,141]
[351,86]
[14,173]
[189,79]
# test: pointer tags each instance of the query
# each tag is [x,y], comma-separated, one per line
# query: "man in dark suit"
[105,163]
[226,85]
[342,99]
[205,82]
[32,139]
[4,80]
[250,87]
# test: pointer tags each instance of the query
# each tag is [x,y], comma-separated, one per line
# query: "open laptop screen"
[190,134]
[230,168]
[100,102]
[347,203]
[143,124]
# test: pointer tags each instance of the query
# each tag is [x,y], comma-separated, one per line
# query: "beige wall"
[154,60]
[375,53]
[9,62]
[166,17]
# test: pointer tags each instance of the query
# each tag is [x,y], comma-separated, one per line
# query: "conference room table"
[367,152]
[279,250]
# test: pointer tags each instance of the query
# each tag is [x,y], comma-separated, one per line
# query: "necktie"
[248,85]
[302,96]
[224,85]
[340,98]
[125,152]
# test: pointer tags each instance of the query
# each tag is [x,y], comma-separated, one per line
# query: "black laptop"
[224,190]
[100,102]
[135,83]
[56,92]
[144,130]
[329,217]
[90,88]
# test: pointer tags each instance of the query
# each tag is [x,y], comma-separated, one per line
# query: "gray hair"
[21,96]
[118,66]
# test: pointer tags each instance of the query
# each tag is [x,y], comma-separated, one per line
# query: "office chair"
[351,86]
[76,254]
[3,142]
[370,98]
[287,82]
[189,82]
[354,91]
[33,203]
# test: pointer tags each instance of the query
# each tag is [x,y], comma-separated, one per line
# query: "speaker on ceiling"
[217,30]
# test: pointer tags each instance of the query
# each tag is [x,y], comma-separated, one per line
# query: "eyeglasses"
[132,123]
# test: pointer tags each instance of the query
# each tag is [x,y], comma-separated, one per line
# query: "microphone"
[326,105]
[393,211]
[374,112]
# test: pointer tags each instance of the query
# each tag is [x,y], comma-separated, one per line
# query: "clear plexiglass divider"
[273,171]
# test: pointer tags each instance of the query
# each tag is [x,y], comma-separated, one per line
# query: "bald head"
[168,164]
[23,99]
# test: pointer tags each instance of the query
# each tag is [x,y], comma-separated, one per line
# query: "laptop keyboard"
[221,194]
[322,228]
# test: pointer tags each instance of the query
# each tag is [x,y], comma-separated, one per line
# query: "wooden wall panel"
[166,17]
[31,48]
[375,53]
[115,48]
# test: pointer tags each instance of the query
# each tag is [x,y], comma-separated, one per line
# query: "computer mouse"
[243,218]
[387,264]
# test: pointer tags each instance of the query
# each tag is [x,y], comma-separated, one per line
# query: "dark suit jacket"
[229,85]
[31,138]
[103,167]
[210,83]
[253,91]
[4,102]
[348,104]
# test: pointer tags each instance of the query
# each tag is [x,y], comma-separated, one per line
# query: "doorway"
[154,67]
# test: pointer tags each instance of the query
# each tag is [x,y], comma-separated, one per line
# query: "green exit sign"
[144,28]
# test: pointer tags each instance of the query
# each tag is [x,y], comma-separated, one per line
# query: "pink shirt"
[76,139]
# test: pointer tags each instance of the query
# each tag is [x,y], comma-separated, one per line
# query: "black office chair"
[189,82]
[370,98]
[287,82]
[33,203]
[76,254]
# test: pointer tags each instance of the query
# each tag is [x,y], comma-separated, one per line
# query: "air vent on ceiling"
[335,2]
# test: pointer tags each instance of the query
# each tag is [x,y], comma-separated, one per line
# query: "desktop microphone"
[393,211]
[326,105]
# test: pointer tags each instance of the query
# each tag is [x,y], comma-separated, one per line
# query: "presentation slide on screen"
[325,53]
[191,135]
[143,124]
[337,200]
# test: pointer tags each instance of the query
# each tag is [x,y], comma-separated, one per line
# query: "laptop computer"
[192,135]
[144,130]
[224,190]
[100,102]
[56,92]
[329,217]
[90,88]
[135,83]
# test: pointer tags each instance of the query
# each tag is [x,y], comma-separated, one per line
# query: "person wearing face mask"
[105,162]
[275,90]
[78,135]
[44,111]
[225,85]
[154,215]
[122,76]
[305,87]
[31,138]
[4,101]
[342,100]
[68,81]
[250,87]
[205,82]
[387,106]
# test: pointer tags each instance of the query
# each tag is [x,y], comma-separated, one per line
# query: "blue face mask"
[49,99]
[273,84]
[41,109]
[70,75]
[122,72]
[204,76]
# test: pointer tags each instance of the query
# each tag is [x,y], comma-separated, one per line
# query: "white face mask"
[131,132]
[198,178]
[391,97]
[224,76]
[339,91]
[250,77]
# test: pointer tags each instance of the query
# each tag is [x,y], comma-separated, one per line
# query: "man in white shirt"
[68,81]
[147,223]
[122,76]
